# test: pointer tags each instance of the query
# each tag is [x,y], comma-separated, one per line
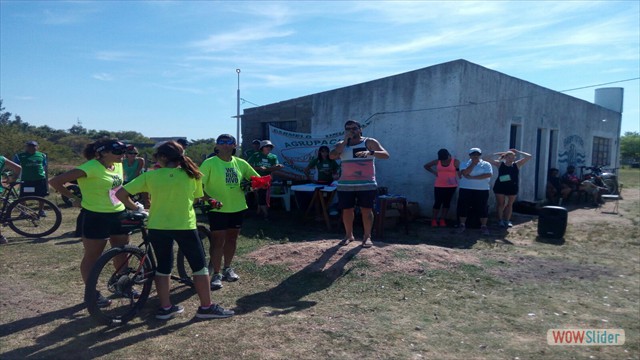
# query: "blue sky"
[168,68]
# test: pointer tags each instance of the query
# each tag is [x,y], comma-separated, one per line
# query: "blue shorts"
[223,221]
[349,199]
[95,225]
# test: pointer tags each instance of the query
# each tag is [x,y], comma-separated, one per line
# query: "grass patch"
[467,297]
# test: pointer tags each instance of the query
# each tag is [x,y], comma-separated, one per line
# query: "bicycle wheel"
[33,216]
[126,289]
[75,190]
[184,270]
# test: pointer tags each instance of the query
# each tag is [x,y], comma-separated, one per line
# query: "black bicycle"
[126,286]
[29,216]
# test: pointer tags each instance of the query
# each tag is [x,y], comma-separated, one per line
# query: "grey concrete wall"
[455,105]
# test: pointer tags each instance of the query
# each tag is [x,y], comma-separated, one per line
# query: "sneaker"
[485,230]
[434,223]
[216,282]
[163,314]
[214,311]
[461,228]
[443,223]
[502,223]
[509,224]
[42,213]
[229,275]
[3,240]
[102,301]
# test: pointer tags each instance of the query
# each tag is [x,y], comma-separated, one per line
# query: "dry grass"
[430,294]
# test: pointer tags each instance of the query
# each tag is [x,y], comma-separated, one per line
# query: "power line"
[609,83]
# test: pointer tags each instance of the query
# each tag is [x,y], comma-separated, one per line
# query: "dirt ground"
[324,255]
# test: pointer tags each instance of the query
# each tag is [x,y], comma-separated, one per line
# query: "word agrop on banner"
[585,337]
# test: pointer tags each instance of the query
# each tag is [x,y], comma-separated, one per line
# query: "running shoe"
[164,314]
[214,311]
[229,275]
[216,282]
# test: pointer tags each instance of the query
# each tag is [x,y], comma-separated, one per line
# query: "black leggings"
[474,200]
[189,243]
[443,196]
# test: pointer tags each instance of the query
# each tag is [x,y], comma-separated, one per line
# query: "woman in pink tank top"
[446,173]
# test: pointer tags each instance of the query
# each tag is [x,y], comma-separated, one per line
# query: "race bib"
[505,178]
[112,195]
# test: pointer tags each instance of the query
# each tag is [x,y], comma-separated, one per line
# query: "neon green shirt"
[100,186]
[173,193]
[222,179]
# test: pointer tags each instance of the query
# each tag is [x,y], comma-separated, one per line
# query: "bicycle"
[30,216]
[601,178]
[127,287]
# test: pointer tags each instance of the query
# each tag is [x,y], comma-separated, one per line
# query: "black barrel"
[552,222]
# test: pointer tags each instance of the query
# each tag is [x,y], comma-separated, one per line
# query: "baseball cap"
[475,150]
[113,145]
[31,142]
[264,143]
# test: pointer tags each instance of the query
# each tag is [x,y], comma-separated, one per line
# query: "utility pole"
[238,110]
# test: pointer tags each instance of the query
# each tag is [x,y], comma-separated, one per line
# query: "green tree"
[630,146]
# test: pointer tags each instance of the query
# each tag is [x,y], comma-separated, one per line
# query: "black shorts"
[189,243]
[95,225]
[505,188]
[223,221]
[35,188]
[364,199]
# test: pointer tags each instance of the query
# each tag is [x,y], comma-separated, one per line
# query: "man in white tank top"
[357,183]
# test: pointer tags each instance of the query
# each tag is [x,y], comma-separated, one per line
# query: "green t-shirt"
[326,168]
[173,193]
[260,159]
[99,187]
[1,164]
[33,165]
[222,179]
[248,154]
[130,172]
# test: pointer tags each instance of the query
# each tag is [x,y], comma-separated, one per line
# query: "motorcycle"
[602,179]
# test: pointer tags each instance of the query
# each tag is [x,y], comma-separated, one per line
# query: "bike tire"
[23,216]
[184,270]
[75,190]
[115,284]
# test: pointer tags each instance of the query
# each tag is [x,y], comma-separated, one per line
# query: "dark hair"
[349,122]
[443,154]
[323,147]
[183,142]
[174,152]
[93,150]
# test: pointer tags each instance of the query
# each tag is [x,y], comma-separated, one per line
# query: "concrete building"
[457,105]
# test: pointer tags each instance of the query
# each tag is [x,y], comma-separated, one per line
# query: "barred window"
[601,151]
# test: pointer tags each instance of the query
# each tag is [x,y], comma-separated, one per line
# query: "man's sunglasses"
[351,128]
[225,142]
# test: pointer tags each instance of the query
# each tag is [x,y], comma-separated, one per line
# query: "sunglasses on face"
[225,142]
[475,154]
[130,153]
[117,152]
[351,128]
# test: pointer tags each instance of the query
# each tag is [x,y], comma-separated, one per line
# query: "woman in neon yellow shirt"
[221,178]
[174,188]
[99,178]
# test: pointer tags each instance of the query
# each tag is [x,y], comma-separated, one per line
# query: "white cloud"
[103,77]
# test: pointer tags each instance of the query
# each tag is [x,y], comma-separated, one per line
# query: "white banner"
[295,150]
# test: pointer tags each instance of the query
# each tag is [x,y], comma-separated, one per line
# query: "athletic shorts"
[349,199]
[95,225]
[35,187]
[189,243]
[223,221]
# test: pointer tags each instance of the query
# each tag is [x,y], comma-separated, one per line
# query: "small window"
[601,151]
